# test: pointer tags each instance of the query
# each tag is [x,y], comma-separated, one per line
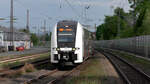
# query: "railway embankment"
[98,71]
[17,71]
[137,61]
[25,53]
[20,62]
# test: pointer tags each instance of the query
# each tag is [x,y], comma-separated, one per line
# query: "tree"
[134,23]
[99,32]
[120,13]
[138,12]
[24,30]
[109,29]
[48,37]
[34,39]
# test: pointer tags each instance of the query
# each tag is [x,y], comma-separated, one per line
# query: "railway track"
[21,58]
[73,72]
[35,64]
[129,73]
[35,80]
[55,76]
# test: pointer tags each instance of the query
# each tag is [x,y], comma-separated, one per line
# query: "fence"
[138,45]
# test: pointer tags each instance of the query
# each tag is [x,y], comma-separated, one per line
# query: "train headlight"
[73,49]
[57,49]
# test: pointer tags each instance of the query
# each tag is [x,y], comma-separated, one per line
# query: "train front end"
[67,43]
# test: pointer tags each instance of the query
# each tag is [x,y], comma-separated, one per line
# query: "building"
[20,38]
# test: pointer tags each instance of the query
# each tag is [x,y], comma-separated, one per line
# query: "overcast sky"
[55,10]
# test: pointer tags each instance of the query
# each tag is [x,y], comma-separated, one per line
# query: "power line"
[21,4]
[74,10]
[84,10]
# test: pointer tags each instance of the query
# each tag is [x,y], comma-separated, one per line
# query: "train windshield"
[65,39]
[66,35]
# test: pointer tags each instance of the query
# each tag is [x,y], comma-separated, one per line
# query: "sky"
[54,10]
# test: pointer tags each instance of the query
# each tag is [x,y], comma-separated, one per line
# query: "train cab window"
[65,39]
[66,34]
[65,31]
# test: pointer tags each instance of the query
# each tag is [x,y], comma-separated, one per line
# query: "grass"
[92,74]
[9,64]
[16,73]
[12,56]
[18,62]
[42,56]
[89,76]
[27,68]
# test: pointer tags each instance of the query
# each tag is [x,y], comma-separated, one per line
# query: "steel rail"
[124,77]
[21,58]
[144,78]
[36,63]
[41,77]
[55,81]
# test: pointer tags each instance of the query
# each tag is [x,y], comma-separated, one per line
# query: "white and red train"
[69,43]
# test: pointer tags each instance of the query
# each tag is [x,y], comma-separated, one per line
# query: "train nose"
[65,49]
[67,56]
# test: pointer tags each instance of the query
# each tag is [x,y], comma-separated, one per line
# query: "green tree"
[134,23]
[48,37]
[99,32]
[24,30]
[120,13]
[34,39]
[109,29]
[139,15]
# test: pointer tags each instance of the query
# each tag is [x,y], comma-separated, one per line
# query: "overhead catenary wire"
[25,7]
[17,1]
[85,6]
[82,6]
[74,10]
[60,1]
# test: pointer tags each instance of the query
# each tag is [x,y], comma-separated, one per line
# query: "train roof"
[74,23]
[67,22]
